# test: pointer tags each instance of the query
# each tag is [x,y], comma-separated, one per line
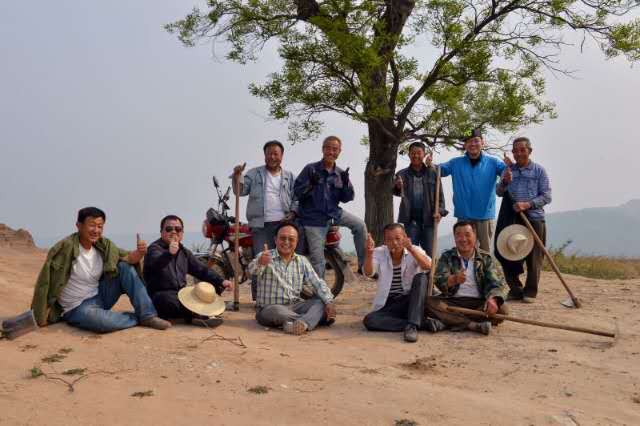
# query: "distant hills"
[606,231]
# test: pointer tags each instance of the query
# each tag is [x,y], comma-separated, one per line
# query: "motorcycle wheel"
[216,267]
[333,276]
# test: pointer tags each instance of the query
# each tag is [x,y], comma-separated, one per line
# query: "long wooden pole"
[574,299]
[530,322]
[236,249]
[434,245]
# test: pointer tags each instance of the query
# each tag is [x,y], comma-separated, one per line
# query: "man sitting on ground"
[281,274]
[166,266]
[85,275]
[467,278]
[402,283]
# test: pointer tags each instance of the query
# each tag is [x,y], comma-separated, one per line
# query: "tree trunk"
[378,179]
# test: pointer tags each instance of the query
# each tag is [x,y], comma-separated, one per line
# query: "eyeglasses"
[178,229]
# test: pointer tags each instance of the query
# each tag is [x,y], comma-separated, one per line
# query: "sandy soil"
[520,375]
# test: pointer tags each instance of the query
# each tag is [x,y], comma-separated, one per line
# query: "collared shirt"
[280,282]
[530,184]
[383,265]
[469,288]
[474,195]
[318,204]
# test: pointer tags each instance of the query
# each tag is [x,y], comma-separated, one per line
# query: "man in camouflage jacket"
[466,277]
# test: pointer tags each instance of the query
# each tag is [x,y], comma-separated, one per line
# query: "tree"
[361,59]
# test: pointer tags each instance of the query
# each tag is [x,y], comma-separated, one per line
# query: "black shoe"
[514,295]
[207,323]
[411,333]
[434,325]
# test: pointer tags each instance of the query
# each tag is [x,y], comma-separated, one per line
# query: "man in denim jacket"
[271,201]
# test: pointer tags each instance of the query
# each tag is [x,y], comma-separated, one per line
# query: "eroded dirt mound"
[12,238]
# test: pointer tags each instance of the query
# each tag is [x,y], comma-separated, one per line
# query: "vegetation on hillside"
[594,266]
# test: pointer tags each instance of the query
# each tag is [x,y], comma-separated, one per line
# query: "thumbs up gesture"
[141,245]
[507,160]
[237,170]
[370,245]
[137,255]
[265,256]
[174,246]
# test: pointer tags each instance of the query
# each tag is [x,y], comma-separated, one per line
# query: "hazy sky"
[100,106]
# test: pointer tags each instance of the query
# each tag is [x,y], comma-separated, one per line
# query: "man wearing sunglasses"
[166,266]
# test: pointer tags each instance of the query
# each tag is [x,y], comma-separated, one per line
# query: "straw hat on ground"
[515,242]
[202,299]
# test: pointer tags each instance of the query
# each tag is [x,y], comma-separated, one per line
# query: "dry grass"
[601,267]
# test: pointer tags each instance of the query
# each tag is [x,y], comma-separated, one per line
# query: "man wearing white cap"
[525,188]
[281,274]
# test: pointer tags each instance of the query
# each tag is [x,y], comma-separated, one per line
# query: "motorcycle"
[219,229]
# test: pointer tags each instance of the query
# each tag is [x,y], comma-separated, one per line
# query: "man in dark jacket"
[320,187]
[166,266]
[416,185]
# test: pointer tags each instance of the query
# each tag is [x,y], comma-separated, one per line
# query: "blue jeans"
[94,314]
[421,235]
[316,236]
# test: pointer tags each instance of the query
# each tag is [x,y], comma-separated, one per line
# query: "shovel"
[573,301]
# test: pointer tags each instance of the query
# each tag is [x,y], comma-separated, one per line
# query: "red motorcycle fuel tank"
[246,238]
[333,236]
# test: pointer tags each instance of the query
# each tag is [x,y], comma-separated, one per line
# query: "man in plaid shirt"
[281,274]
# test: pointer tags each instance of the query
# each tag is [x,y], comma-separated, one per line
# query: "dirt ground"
[520,375]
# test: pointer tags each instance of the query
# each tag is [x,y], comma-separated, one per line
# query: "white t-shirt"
[469,288]
[273,210]
[83,281]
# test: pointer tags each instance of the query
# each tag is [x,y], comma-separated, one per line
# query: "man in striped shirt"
[525,188]
[280,275]
[402,283]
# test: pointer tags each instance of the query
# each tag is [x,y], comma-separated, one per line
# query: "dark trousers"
[169,307]
[534,260]
[421,235]
[402,310]
[437,308]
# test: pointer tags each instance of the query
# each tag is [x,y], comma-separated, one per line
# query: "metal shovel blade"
[568,303]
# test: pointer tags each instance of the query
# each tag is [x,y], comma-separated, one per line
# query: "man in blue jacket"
[474,181]
[319,188]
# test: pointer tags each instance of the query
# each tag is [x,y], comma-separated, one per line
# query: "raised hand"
[265,256]
[344,176]
[174,246]
[457,278]
[369,245]
[237,170]
[508,161]
[507,176]
[141,245]
[406,243]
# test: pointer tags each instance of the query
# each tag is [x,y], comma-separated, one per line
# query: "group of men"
[85,274]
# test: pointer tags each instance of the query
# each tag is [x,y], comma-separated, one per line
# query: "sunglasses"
[178,229]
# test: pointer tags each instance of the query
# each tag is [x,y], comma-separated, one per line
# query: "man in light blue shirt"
[474,180]
[525,188]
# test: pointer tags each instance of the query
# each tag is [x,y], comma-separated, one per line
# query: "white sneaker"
[296,327]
